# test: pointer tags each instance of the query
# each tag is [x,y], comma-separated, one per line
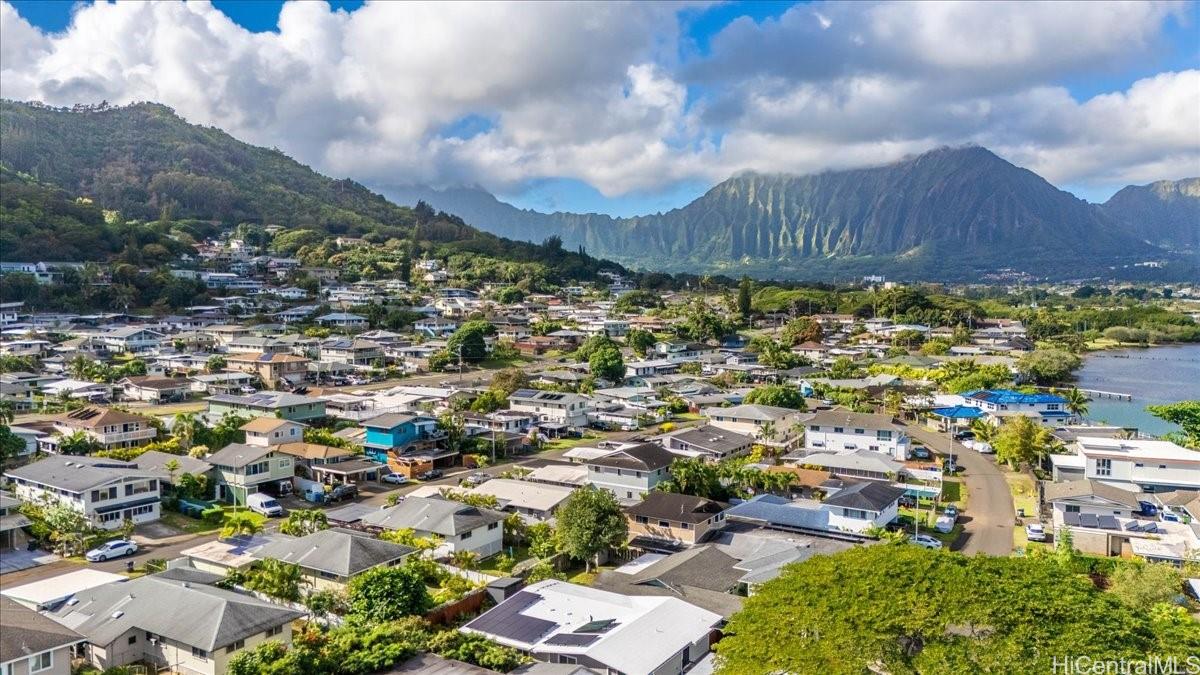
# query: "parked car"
[395,478]
[478,478]
[979,446]
[964,435]
[921,452]
[1169,516]
[112,549]
[431,474]
[951,512]
[264,504]
[926,541]
[944,524]
[1147,509]
[1035,532]
[342,492]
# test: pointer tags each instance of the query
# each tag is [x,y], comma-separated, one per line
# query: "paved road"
[989,517]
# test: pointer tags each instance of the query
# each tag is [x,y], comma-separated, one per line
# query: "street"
[989,517]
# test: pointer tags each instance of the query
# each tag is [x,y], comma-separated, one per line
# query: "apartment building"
[106,491]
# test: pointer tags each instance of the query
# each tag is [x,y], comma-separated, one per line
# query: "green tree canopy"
[640,341]
[387,593]
[1048,366]
[1187,415]
[469,337]
[803,329]
[607,363]
[1021,439]
[590,521]
[778,395]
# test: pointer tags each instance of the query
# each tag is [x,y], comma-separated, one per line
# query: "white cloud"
[597,92]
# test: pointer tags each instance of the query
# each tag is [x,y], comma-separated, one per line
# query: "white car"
[395,478]
[112,549]
[1035,532]
[926,541]
[979,446]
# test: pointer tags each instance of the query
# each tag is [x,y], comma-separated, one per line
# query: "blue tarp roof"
[1010,397]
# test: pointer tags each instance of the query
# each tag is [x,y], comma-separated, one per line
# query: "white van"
[264,504]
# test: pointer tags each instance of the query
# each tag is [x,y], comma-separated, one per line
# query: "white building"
[1134,464]
[107,491]
[631,471]
[840,430]
[461,527]
[552,406]
[772,426]
[559,622]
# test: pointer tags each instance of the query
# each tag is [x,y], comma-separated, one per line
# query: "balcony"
[125,436]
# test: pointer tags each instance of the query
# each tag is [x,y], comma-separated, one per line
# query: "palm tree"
[1077,402]
[464,559]
[240,524]
[79,367]
[187,428]
[984,431]
[767,431]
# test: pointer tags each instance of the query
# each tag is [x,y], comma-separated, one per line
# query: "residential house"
[781,428]
[241,469]
[1134,464]
[551,406]
[707,442]
[705,576]
[131,340]
[461,527]
[630,471]
[274,369]
[352,352]
[268,404]
[1100,517]
[330,559]
[33,644]
[560,622]
[12,524]
[107,427]
[537,501]
[435,326]
[161,462]
[839,430]
[681,351]
[329,464]
[400,433]
[670,521]
[174,624]
[851,511]
[997,404]
[154,389]
[106,491]
[343,320]
[255,344]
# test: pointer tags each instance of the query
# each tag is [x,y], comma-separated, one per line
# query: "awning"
[348,467]
[128,505]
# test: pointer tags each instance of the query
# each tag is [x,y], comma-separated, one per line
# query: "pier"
[1116,395]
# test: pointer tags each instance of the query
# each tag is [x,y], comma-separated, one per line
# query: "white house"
[552,406]
[839,430]
[631,471]
[707,442]
[1000,403]
[107,491]
[854,510]
[560,622]
[131,339]
[1134,464]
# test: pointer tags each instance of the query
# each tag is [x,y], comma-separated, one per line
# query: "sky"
[639,108]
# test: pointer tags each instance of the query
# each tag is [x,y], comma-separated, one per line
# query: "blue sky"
[643,108]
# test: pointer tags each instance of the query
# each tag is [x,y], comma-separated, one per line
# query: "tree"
[387,594]
[843,369]
[696,477]
[11,445]
[744,298]
[187,427]
[541,540]
[801,330]
[1020,439]
[1140,586]
[69,529]
[608,364]
[277,579]
[1187,415]
[846,613]
[78,443]
[935,348]
[215,363]
[640,341]
[240,524]
[778,395]
[510,380]
[590,521]
[301,522]
[1077,402]
[489,401]
[1048,366]
[469,338]
[464,559]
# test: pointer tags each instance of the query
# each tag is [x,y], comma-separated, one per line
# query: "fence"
[448,612]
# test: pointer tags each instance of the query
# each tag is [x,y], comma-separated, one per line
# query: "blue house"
[996,404]
[398,433]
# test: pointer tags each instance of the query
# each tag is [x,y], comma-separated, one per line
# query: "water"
[1154,376]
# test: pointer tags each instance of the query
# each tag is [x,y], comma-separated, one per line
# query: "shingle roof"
[845,418]
[714,439]
[265,425]
[238,454]
[1089,488]
[429,514]
[867,496]
[76,474]
[337,551]
[92,417]
[196,615]
[673,506]
[24,632]
[156,461]
[643,457]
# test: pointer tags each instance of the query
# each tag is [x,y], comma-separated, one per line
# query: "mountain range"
[951,213]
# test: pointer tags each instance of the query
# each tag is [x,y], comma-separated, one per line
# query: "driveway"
[989,517]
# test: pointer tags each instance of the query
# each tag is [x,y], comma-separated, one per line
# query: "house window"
[1071,508]
[883,435]
[275,631]
[43,661]
[133,639]
[838,430]
[1104,467]
[235,646]
[641,519]
[492,526]
[814,427]
[199,653]
[465,536]
[664,523]
[860,431]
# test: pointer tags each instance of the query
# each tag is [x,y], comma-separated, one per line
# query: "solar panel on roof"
[1071,518]
[1133,526]
[1150,527]
[571,640]
[1089,520]
[1109,523]
[505,620]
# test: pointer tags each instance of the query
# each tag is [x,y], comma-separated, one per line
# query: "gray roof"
[76,474]
[25,632]
[673,506]
[846,418]
[336,551]
[156,461]
[702,576]
[239,454]
[388,420]
[432,664]
[196,615]
[265,399]
[867,496]
[1090,488]
[713,439]
[752,411]
[430,514]
[643,457]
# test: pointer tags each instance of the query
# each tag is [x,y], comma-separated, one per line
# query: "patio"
[15,561]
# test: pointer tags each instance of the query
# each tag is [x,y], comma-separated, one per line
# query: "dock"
[1115,395]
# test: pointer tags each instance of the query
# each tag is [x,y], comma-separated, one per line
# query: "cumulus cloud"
[599,92]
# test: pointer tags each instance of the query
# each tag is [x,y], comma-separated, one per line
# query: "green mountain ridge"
[951,213]
[1166,213]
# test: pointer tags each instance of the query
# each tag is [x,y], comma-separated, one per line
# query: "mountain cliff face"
[1165,213]
[960,207]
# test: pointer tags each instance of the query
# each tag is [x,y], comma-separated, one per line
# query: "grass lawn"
[497,364]
[519,553]
[196,526]
[1024,492]
[578,576]
[687,417]
[954,492]
[568,443]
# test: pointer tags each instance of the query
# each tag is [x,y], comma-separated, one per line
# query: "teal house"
[399,433]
